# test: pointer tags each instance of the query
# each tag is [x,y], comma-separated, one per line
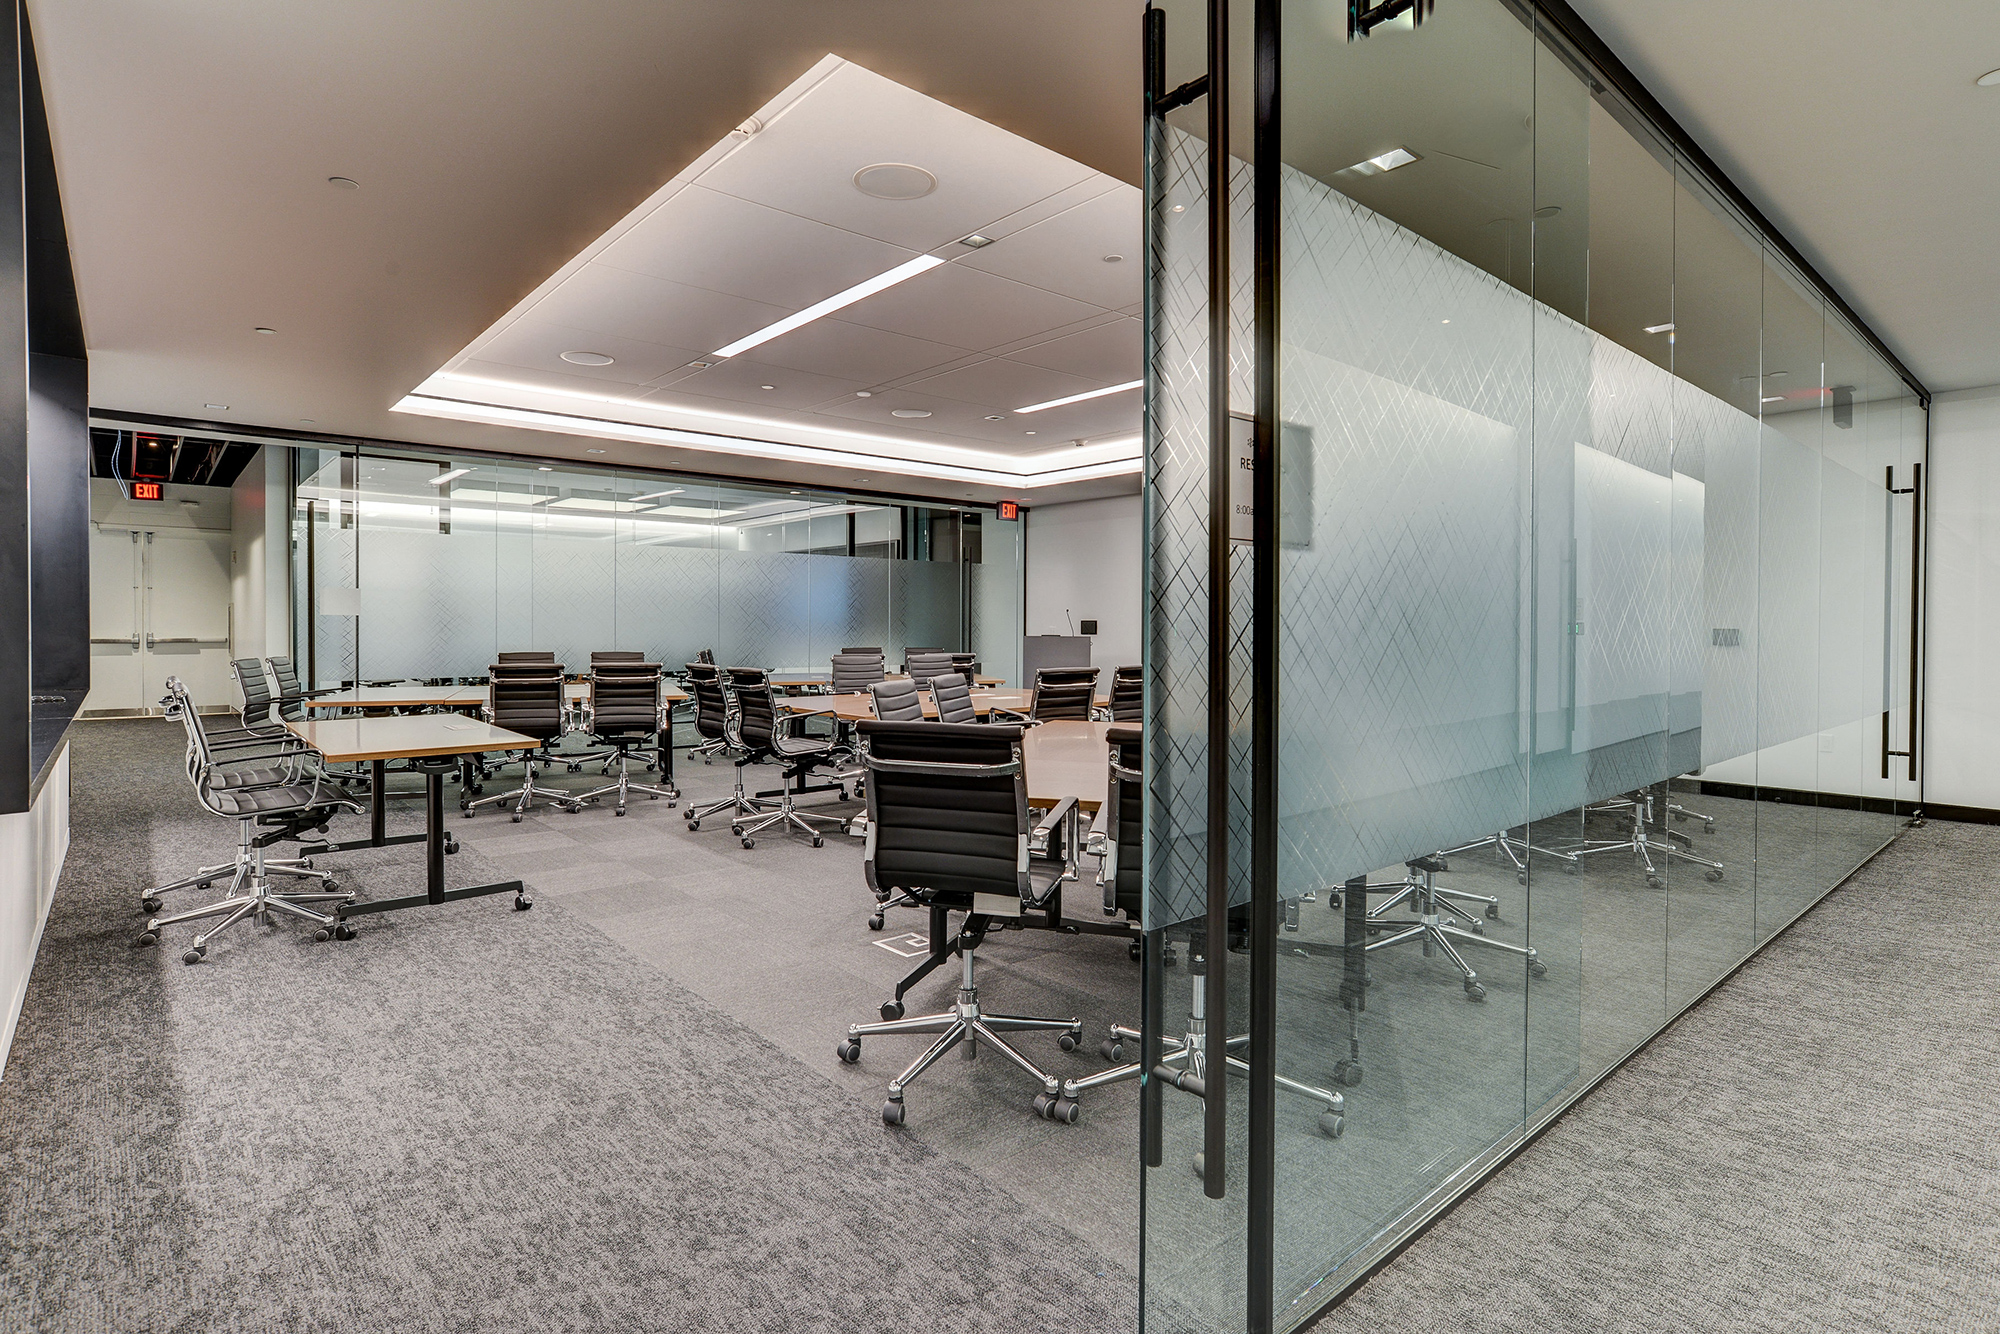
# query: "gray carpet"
[468,1119]
[1813,1147]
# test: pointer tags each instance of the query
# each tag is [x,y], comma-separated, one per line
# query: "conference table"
[378,698]
[435,743]
[855,706]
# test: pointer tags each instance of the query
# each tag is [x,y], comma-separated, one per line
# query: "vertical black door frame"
[1263,1054]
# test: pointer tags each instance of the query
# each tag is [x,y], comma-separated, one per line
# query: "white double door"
[159,607]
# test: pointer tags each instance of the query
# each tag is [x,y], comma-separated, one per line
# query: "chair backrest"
[1063,693]
[624,697]
[923,666]
[255,688]
[953,695]
[707,656]
[966,665]
[865,648]
[526,696]
[756,712]
[1124,838]
[711,702]
[856,669]
[291,695]
[947,810]
[1128,695]
[898,700]
[615,655]
[527,655]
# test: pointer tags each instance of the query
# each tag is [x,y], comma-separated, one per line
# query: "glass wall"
[1594,603]
[424,568]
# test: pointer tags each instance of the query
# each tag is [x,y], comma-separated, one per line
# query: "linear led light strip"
[1078,398]
[607,428]
[921,264]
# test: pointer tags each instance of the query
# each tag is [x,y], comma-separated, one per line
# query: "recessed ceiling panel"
[1109,352]
[535,345]
[963,307]
[703,238]
[1001,385]
[746,382]
[632,305]
[806,161]
[1066,253]
[853,352]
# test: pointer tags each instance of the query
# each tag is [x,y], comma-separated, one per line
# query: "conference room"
[901,692]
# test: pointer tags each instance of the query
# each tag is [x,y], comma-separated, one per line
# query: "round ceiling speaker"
[894,180]
[586,358]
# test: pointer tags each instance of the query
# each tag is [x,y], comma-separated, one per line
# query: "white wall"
[1084,561]
[259,574]
[32,846]
[1962,705]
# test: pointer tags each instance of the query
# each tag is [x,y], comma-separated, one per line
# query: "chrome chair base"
[624,787]
[737,803]
[966,1023]
[523,796]
[295,868]
[250,895]
[1435,932]
[1516,850]
[1642,843]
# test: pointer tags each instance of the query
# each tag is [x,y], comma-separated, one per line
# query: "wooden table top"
[1067,759]
[411,736]
[860,704]
[457,697]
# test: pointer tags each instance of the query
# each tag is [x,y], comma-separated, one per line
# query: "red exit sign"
[1010,509]
[146,491]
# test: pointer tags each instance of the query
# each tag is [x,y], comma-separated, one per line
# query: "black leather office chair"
[923,666]
[856,669]
[615,655]
[624,709]
[257,702]
[291,695]
[952,694]
[758,729]
[285,799]
[1118,835]
[1128,695]
[525,695]
[711,710]
[518,656]
[966,665]
[1063,693]
[948,827]
[898,700]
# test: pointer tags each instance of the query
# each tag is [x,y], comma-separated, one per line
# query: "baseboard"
[1930,810]
[1833,801]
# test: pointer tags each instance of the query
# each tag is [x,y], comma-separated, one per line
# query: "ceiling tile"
[965,308]
[538,345]
[744,381]
[1066,253]
[1001,386]
[805,162]
[702,238]
[844,351]
[1111,353]
[632,305]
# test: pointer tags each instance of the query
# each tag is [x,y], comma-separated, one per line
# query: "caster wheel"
[576,768]
[737,830]
[1477,927]
[892,1009]
[1112,1050]
[652,796]
[1333,902]
[450,846]
[323,935]
[875,922]
[1492,912]
[1134,952]
[1654,882]
[848,1051]
[466,811]
[477,788]
[150,905]
[1536,968]
[1069,1041]
[516,817]
[1520,877]
[342,931]
[1712,876]
[1475,992]
[522,903]
[1331,1123]
[1570,868]
[1045,1106]
[619,811]
[332,887]
[307,864]
[892,1112]
[818,841]
[1708,827]
[1170,959]
[147,938]
[1066,1111]
[694,826]
[1680,817]
[749,842]
[572,807]
[193,956]
[844,827]
[1347,1073]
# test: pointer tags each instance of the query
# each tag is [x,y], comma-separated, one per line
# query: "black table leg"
[435,839]
[378,802]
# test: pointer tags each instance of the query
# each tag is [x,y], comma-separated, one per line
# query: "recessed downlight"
[343,182]
[262,330]
[975,241]
[216,407]
[593,451]
[909,412]
[767,386]
[587,358]
[1990,79]
[996,417]
[1389,161]
[1660,328]
[864,393]
[1114,259]
[1548,211]
[894,180]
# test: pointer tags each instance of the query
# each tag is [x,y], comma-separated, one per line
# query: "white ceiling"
[493,140]
[771,221]
[1858,129]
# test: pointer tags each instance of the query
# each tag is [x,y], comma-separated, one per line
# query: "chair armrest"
[1053,818]
[1010,715]
[1100,830]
